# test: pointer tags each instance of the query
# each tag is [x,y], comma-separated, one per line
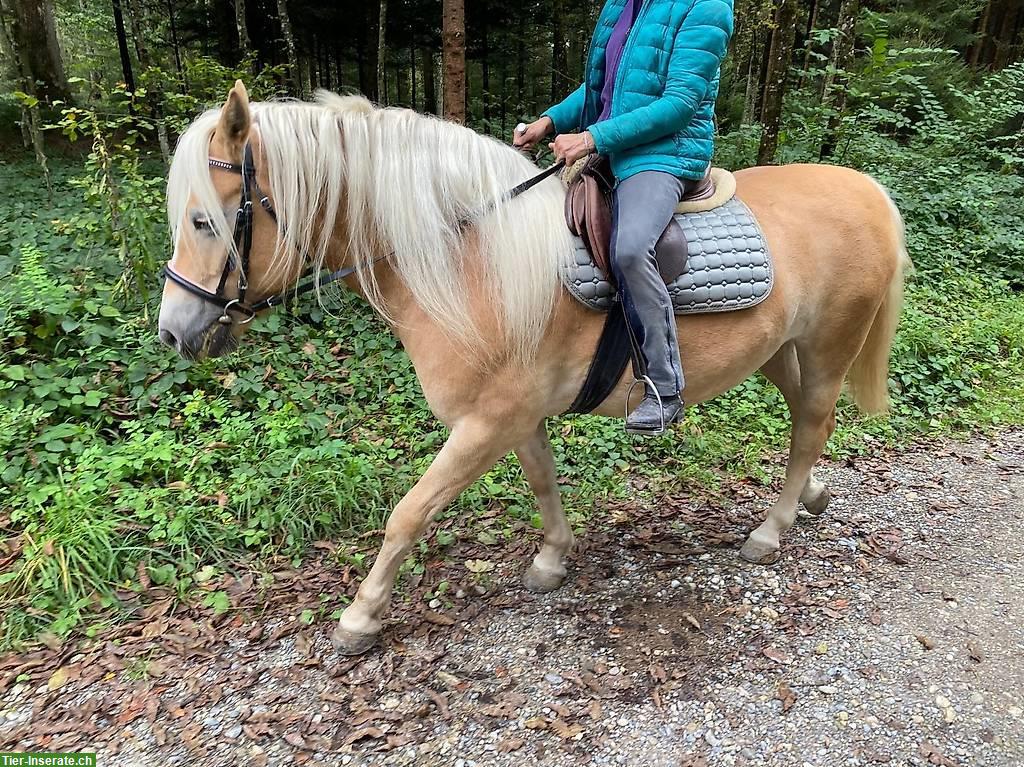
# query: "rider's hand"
[534,133]
[572,146]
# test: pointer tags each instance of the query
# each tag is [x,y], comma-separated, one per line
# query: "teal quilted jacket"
[662,115]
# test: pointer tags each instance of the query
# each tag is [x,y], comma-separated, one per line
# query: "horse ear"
[235,119]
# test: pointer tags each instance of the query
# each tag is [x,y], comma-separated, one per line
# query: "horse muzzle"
[193,329]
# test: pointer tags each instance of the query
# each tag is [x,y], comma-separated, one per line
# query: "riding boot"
[654,414]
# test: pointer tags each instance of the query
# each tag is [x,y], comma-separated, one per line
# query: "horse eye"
[202,224]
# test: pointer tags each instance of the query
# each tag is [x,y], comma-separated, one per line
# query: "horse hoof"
[759,553]
[817,505]
[350,643]
[540,582]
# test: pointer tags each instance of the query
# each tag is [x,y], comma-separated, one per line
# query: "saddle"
[588,214]
[713,258]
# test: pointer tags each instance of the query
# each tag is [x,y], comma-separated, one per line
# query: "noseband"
[242,236]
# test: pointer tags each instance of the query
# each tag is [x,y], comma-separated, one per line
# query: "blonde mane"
[403,183]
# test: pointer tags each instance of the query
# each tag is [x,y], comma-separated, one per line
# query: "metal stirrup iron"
[649,385]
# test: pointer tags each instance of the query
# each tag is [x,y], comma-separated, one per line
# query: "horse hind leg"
[548,571]
[813,423]
[783,370]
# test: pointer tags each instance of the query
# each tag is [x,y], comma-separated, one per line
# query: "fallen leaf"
[934,756]
[441,702]
[974,652]
[562,711]
[926,642]
[775,654]
[565,731]
[479,565]
[57,679]
[509,745]
[536,723]
[438,619]
[450,681]
[363,732]
[296,739]
[785,694]
[594,710]
[691,620]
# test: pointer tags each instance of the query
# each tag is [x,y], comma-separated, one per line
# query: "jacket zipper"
[630,39]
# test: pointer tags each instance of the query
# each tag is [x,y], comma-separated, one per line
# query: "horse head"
[225,231]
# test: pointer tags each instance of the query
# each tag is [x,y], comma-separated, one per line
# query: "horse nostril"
[168,338]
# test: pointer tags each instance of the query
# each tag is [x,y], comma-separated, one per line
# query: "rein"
[242,236]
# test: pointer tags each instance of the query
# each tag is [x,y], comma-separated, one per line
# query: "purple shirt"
[613,53]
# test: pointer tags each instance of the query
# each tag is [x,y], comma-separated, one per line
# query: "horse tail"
[869,375]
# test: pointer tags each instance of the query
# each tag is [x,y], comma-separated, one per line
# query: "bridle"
[242,236]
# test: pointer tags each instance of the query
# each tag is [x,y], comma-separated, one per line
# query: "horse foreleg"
[813,424]
[472,448]
[783,370]
[548,569]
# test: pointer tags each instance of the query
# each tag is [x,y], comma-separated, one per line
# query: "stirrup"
[649,385]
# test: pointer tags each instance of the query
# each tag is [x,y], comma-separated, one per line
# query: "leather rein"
[242,236]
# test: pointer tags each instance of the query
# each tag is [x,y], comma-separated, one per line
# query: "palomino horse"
[497,344]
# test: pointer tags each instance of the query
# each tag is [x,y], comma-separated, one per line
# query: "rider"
[647,102]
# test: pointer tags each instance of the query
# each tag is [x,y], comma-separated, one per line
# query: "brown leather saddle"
[588,214]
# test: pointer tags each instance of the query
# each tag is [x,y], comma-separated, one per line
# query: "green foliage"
[951,152]
[122,463]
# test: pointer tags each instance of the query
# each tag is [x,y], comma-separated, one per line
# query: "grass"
[124,464]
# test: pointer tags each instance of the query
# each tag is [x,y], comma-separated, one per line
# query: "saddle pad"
[728,265]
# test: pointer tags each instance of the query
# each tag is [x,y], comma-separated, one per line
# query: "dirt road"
[891,632]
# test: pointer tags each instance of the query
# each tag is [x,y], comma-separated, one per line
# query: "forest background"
[125,469]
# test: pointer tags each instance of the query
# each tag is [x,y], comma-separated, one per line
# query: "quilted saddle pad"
[728,265]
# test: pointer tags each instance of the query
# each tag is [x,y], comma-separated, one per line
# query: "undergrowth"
[123,464]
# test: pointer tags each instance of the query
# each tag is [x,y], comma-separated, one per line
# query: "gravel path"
[891,632]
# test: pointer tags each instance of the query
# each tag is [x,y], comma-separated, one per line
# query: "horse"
[383,196]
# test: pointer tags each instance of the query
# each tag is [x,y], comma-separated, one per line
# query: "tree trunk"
[30,119]
[1004,38]
[453,37]
[979,44]
[842,58]
[559,54]
[412,76]
[754,84]
[294,73]
[175,44]
[122,47]
[504,98]
[328,81]
[521,62]
[429,84]
[781,52]
[135,23]
[812,22]
[241,24]
[382,67]
[367,52]
[485,64]
[33,31]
